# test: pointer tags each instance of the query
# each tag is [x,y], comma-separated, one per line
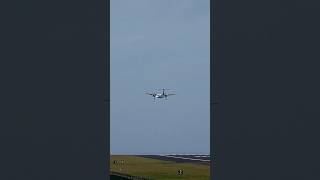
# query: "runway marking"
[187,154]
[186,158]
[202,156]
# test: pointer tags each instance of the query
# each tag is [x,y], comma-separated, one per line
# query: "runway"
[182,158]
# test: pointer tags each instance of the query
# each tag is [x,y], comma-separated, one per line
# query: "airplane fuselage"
[160,96]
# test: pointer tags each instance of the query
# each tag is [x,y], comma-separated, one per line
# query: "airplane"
[160,95]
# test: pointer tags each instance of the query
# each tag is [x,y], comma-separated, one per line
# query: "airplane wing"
[170,94]
[150,94]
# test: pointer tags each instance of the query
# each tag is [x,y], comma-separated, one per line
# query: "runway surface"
[182,158]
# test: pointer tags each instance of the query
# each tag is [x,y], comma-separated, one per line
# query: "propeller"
[153,94]
[163,90]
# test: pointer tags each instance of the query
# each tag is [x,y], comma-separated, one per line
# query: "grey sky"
[160,44]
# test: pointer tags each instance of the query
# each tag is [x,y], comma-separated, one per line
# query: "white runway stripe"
[201,156]
[204,155]
[186,158]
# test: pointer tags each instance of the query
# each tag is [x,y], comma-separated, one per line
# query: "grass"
[158,169]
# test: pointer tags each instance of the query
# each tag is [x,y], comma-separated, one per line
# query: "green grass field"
[158,169]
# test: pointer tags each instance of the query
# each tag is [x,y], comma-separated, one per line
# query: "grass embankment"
[158,169]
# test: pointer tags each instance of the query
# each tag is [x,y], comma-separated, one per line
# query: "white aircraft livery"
[160,95]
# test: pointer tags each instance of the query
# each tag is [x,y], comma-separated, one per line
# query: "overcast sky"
[160,44]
